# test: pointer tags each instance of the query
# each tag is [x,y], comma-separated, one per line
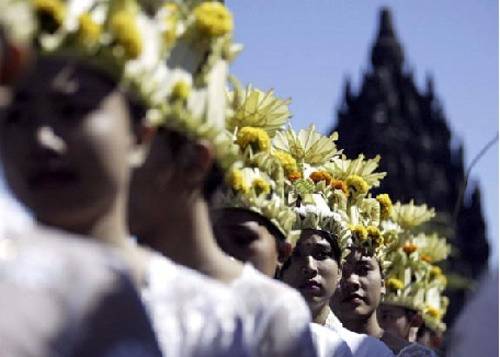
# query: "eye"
[321,255]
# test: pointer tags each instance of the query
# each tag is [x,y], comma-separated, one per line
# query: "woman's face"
[66,141]
[360,289]
[313,270]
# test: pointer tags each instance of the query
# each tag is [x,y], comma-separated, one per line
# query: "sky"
[305,49]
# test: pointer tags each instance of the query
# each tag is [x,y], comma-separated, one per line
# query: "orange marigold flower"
[294,175]
[340,185]
[318,176]
[426,258]
[409,247]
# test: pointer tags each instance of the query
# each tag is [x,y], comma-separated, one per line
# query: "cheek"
[108,139]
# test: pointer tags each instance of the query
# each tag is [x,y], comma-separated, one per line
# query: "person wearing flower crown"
[414,282]
[189,160]
[318,191]
[69,138]
[363,285]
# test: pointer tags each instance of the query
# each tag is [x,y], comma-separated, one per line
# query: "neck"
[191,242]
[107,225]
[367,325]
[321,314]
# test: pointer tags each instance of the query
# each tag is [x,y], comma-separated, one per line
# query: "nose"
[49,140]
[352,281]
[310,268]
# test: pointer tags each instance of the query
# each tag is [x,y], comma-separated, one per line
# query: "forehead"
[309,238]
[63,75]
[357,257]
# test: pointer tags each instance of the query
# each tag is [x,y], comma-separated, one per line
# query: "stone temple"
[407,126]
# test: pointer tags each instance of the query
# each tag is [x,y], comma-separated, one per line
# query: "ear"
[416,320]
[144,136]
[382,286]
[284,251]
[339,275]
[199,158]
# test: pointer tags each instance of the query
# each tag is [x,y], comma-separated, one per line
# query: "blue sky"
[304,49]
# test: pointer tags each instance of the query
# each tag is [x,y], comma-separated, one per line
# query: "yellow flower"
[375,235]
[181,90]
[213,19]
[255,137]
[409,247]
[294,175]
[385,205]
[124,28]
[433,312]
[436,272]
[359,232]
[340,185]
[50,13]
[88,30]
[236,181]
[395,284]
[286,160]
[170,33]
[261,186]
[357,184]
[318,176]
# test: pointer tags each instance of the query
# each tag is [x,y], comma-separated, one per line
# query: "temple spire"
[387,51]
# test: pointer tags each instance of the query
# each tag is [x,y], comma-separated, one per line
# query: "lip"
[355,299]
[311,287]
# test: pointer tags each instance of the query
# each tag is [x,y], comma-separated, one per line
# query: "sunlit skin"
[250,237]
[399,321]
[314,272]
[167,209]
[359,296]
[67,138]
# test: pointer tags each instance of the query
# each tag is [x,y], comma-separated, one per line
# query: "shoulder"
[196,312]
[328,342]
[276,317]
[416,350]
[364,345]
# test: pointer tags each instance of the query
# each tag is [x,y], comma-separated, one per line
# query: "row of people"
[120,106]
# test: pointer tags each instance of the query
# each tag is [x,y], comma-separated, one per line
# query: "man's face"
[360,288]
[65,142]
[394,319]
[312,269]
[245,237]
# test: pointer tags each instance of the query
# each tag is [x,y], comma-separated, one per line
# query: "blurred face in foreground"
[66,142]
[248,237]
[313,269]
[361,288]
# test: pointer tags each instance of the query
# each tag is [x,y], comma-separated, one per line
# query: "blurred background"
[415,81]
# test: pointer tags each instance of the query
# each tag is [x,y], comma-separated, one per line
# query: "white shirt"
[192,314]
[63,295]
[276,318]
[328,343]
[360,344]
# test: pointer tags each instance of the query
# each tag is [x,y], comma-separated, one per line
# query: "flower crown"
[171,55]
[413,279]
[256,180]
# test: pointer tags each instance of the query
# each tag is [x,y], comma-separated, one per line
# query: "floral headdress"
[256,181]
[172,55]
[412,279]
